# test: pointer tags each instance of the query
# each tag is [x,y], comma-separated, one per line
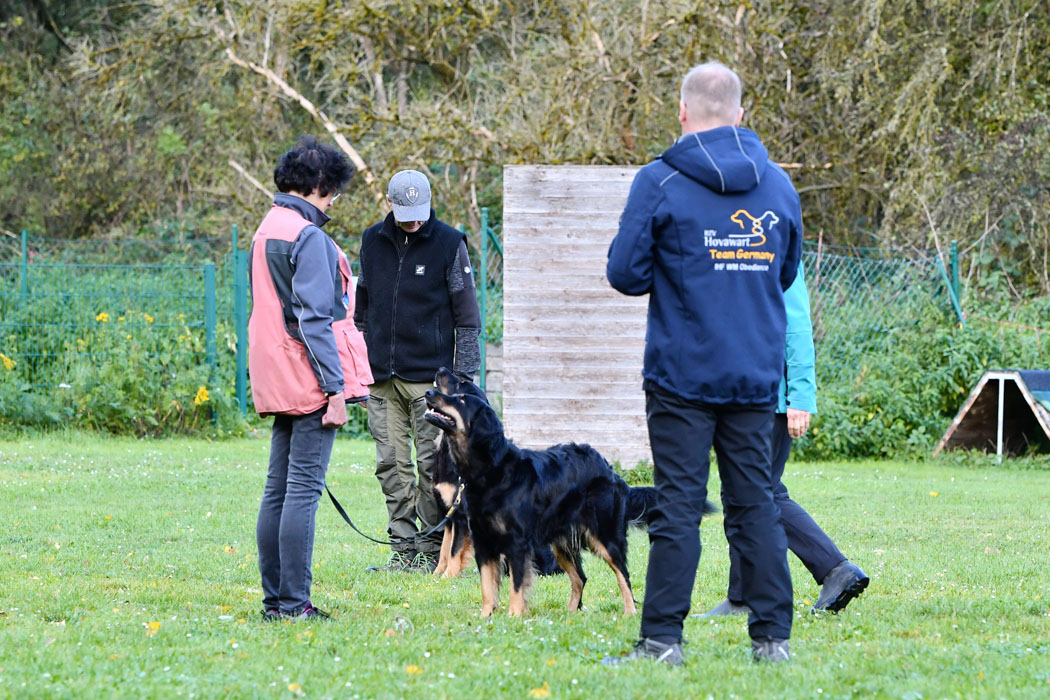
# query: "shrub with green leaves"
[900,400]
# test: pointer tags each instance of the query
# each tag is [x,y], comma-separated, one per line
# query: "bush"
[898,402]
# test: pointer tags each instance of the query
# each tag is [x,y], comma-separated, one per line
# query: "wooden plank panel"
[572,345]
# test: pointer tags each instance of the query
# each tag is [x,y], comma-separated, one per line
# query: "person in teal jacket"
[841,580]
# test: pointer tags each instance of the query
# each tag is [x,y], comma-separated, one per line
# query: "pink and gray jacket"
[302,343]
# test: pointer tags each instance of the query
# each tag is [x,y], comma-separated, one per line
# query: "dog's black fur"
[563,498]
[456,546]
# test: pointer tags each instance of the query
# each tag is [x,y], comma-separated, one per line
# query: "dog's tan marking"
[446,550]
[517,604]
[489,587]
[446,490]
[575,580]
[621,581]
[458,563]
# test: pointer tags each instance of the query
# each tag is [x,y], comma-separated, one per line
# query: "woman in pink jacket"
[306,361]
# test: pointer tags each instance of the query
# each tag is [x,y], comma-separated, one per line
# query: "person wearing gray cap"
[418,310]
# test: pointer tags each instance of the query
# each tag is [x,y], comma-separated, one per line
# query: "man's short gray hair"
[711,92]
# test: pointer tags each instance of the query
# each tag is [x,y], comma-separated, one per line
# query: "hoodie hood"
[726,159]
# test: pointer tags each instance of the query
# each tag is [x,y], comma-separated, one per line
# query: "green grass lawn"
[128,569]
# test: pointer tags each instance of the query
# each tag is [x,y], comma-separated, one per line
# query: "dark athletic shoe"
[842,584]
[399,561]
[308,612]
[770,649]
[423,562]
[659,652]
[270,615]
[726,607]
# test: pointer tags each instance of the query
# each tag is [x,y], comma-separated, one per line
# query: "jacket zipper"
[393,315]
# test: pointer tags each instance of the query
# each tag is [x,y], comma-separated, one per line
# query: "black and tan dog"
[456,546]
[563,498]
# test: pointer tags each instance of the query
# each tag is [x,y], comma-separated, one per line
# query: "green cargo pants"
[395,419]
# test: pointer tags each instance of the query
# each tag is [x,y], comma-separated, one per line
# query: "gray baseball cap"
[409,192]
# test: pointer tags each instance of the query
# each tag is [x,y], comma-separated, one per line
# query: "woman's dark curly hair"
[312,165]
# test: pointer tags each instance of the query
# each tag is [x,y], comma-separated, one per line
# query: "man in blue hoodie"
[712,232]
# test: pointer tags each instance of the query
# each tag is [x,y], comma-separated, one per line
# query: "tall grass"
[129,570]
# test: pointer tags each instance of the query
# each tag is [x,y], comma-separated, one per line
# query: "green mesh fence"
[70,308]
[61,320]
[489,279]
[859,299]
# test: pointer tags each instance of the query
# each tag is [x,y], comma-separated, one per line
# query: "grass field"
[128,569]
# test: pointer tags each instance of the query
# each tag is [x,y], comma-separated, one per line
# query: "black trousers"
[682,433]
[804,537]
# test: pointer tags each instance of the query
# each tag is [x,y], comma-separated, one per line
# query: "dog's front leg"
[446,548]
[458,562]
[520,579]
[489,586]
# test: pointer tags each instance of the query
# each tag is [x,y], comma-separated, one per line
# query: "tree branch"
[247,176]
[329,125]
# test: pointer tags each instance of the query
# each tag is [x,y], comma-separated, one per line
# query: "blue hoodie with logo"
[712,232]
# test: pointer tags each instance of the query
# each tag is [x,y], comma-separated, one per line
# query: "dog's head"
[449,383]
[469,423]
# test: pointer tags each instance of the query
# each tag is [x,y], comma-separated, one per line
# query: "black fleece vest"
[409,329]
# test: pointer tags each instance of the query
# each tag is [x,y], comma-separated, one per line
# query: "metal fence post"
[953,297]
[240,321]
[955,271]
[209,315]
[484,291]
[25,266]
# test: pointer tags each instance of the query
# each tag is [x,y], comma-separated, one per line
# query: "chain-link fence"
[78,319]
[490,289]
[858,298]
[69,308]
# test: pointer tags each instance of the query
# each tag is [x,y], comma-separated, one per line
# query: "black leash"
[417,538]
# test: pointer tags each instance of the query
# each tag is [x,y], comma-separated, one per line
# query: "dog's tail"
[641,500]
[641,505]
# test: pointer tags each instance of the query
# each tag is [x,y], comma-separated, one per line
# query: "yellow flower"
[413,670]
[201,397]
[543,691]
[9,364]
[102,317]
[149,319]
[151,628]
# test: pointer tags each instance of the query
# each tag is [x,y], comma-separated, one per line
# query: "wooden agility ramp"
[1008,411]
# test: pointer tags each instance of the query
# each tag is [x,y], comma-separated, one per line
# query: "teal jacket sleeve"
[798,389]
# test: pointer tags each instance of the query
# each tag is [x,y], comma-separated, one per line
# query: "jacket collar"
[301,207]
[390,227]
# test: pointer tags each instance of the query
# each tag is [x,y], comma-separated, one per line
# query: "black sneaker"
[308,612]
[399,561]
[842,584]
[270,615]
[424,562]
[770,649]
[670,654]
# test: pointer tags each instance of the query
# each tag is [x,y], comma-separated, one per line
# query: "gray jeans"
[395,420]
[300,448]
